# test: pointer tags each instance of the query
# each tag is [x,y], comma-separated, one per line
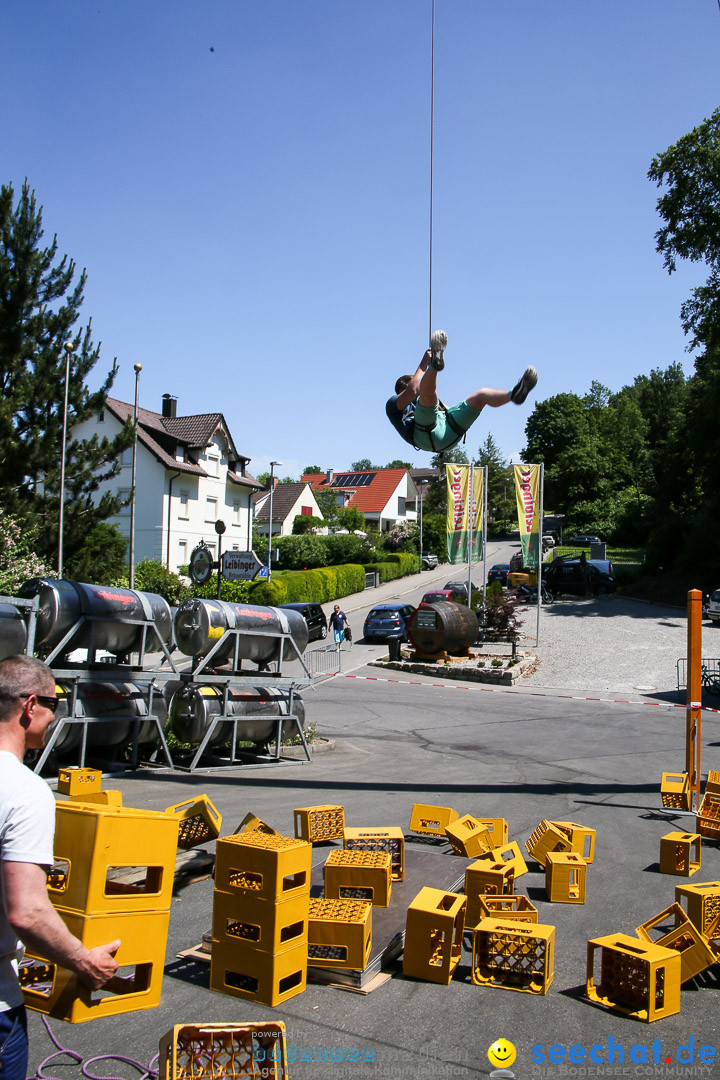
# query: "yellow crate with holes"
[680,854]
[359,875]
[510,854]
[634,977]
[486,878]
[431,820]
[199,821]
[512,955]
[374,838]
[259,924]
[106,797]
[252,823]
[513,908]
[319,823]
[218,1051]
[76,782]
[702,900]
[683,937]
[433,935]
[468,837]
[675,790]
[96,844]
[708,815]
[269,978]
[267,867]
[565,877]
[497,828]
[339,933]
[546,837]
[54,990]
[581,837]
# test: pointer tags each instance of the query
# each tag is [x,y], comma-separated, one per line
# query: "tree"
[40,300]
[497,480]
[18,561]
[315,470]
[351,518]
[397,464]
[363,465]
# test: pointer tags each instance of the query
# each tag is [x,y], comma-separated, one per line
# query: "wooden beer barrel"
[443,627]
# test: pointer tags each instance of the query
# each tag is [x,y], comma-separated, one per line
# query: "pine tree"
[40,300]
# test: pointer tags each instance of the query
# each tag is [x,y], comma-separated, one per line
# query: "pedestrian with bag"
[339,623]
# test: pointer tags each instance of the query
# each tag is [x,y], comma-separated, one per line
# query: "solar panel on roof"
[352,479]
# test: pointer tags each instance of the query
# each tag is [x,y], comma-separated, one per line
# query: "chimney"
[274,483]
[169,405]
[328,476]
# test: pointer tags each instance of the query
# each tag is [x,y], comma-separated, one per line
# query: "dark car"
[429,561]
[577,577]
[460,587]
[387,621]
[438,596]
[498,572]
[314,616]
[584,541]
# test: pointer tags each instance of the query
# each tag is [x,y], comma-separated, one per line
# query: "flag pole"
[540,551]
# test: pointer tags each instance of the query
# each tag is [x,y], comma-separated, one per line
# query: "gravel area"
[611,643]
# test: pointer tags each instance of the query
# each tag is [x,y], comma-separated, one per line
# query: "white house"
[289,501]
[387,497]
[189,475]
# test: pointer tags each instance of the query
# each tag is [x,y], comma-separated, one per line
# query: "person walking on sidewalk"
[339,622]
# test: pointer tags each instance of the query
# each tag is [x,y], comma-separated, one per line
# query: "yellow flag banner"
[457,478]
[527,489]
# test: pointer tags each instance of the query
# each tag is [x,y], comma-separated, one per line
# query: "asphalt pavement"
[534,752]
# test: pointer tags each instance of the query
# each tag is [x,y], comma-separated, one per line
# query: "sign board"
[240,565]
[426,619]
[201,564]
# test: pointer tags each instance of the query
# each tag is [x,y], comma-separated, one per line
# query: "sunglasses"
[50,703]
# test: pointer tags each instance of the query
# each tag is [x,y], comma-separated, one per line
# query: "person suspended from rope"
[418,415]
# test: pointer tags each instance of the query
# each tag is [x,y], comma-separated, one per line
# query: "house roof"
[372,488]
[161,435]
[284,498]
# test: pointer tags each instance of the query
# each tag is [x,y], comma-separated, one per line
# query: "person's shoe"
[522,388]
[438,345]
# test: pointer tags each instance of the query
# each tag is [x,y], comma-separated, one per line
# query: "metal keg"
[200,624]
[114,616]
[13,631]
[194,707]
[434,628]
[118,703]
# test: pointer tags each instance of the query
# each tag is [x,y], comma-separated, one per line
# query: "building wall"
[196,502]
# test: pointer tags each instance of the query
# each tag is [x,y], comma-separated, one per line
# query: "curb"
[506,677]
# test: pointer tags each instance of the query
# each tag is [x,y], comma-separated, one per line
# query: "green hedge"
[300,586]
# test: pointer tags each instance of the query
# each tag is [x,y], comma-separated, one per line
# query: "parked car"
[460,587]
[386,621]
[498,572]
[429,561]
[713,606]
[437,596]
[569,574]
[548,540]
[314,616]
[584,541]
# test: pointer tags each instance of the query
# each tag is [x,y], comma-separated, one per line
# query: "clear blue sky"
[247,184]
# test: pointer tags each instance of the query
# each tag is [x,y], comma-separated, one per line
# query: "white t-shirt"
[27,832]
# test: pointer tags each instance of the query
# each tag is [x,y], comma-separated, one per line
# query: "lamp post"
[138,369]
[273,464]
[68,346]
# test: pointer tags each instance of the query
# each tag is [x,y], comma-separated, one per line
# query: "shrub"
[152,576]
[235,592]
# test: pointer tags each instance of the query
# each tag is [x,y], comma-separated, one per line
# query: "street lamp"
[68,353]
[137,369]
[273,464]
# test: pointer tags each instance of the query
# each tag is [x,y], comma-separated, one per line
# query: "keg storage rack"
[149,630]
[31,607]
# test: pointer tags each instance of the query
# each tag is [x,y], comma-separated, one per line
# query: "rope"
[432,157]
[147,1072]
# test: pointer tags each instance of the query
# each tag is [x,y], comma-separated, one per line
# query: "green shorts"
[442,434]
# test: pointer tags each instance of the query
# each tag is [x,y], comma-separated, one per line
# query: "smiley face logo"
[502,1053]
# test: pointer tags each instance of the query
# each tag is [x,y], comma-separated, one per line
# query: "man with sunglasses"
[27,829]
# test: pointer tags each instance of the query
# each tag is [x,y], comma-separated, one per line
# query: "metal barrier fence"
[710,672]
[324,661]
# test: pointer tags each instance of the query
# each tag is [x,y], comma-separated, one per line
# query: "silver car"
[713,606]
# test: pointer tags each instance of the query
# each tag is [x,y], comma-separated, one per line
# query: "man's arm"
[411,391]
[38,925]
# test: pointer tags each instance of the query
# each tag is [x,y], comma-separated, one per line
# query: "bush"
[235,592]
[301,586]
[152,576]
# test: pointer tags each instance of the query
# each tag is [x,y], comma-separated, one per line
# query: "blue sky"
[247,184]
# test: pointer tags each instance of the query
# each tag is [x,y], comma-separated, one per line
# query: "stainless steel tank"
[13,631]
[200,624]
[63,603]
[117,703]
[194,707]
